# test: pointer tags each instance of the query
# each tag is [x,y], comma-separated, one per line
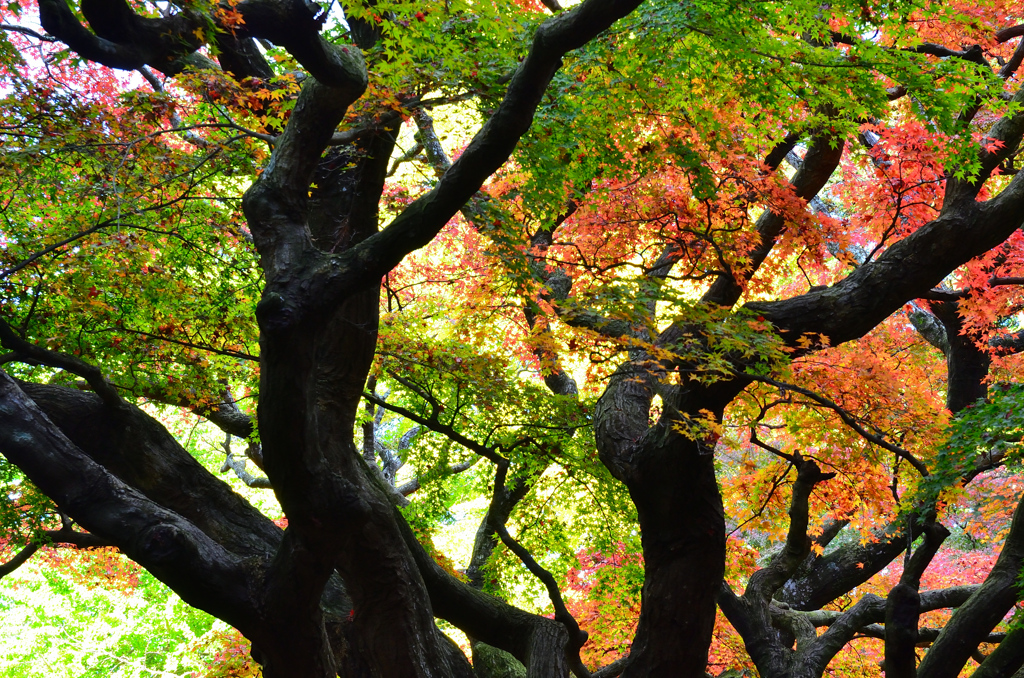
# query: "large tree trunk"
[322,259]
[312,377]
[683,531]
[671,479]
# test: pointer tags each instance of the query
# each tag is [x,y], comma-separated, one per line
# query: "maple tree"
[669,315]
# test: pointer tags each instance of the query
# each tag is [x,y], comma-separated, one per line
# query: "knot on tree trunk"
[809,472]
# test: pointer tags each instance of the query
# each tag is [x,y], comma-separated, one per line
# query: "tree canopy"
[703,317]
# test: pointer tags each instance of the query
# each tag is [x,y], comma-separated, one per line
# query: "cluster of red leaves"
[700,201]
[986,304]
[968,23]
[895,391]
[895,188]
[531,5]
[603,596]
[231,656]
[104,567]
[985,508]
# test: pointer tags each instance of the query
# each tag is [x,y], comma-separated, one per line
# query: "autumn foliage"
[701,339]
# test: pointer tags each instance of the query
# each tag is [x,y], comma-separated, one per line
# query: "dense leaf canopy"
[628,338]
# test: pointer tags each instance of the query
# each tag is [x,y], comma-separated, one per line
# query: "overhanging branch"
[68,363]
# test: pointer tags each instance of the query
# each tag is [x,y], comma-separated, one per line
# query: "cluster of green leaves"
[486,397]
[59,623]
[117,221]
[985,430]
[421,49]
[604,588]
[618,98]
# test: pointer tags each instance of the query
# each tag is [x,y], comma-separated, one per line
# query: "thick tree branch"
[327,279]
[19,559]
[766,581]
[813,652]
[915,264]
[277,204]
[903,608]
[925,635]
[537,642]
[1009,343]
[821,160]
[930,327]
[936,599]
[829,576]
[839,633]
[611,670]
[138,450]
[586,319]
[823,578]
[1009,33]
[1006,659]
[122,39]
[967,365]
[754,615]
[198,568]
[57,18]
[504,498]
[973,53]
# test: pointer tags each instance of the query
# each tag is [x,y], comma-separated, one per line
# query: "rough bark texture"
[683,558]
[966,364]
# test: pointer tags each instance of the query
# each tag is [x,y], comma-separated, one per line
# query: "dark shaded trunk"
[312,378]
[903,609]
[138,451]
[1006,660]
[966,364]
[683,531]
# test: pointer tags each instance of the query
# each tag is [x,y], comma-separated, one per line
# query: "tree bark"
[682,527]
[966,364]
[1006,660]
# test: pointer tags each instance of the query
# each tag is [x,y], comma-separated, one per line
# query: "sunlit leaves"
[116,220]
